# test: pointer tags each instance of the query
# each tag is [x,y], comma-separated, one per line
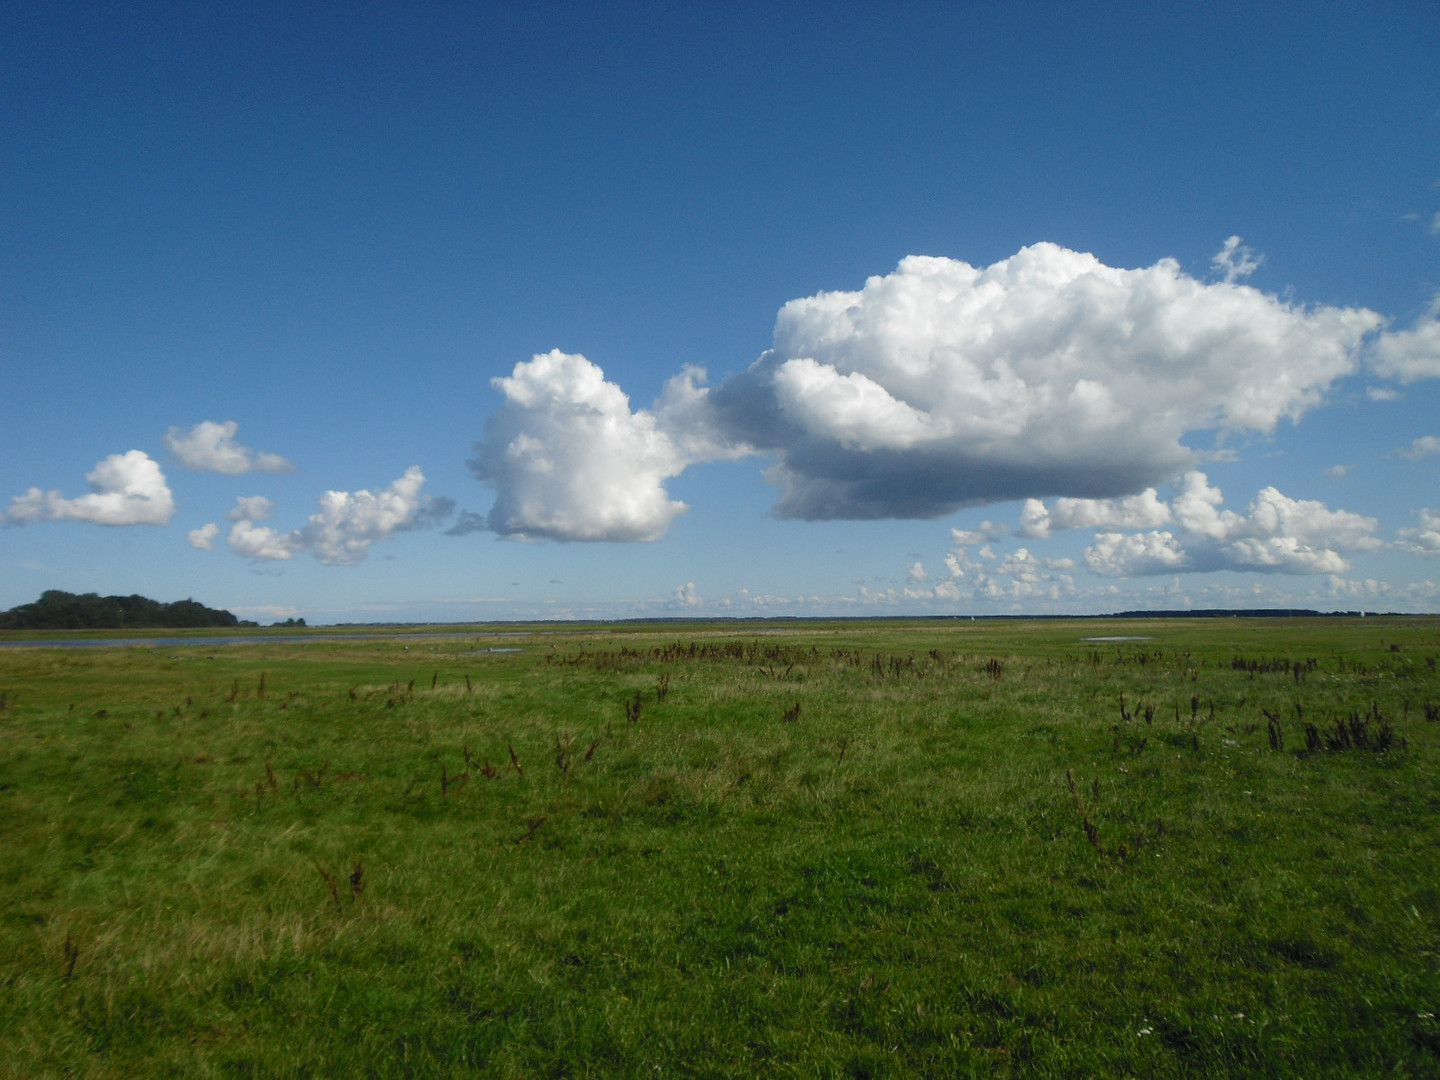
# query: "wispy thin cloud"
[1234,261]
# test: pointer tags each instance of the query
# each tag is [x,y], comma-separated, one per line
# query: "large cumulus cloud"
[126,489]
[941,385]
[1048,373]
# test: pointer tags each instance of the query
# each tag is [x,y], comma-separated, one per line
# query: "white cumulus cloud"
[1048,373]
[1410,355]
[1275,534]
[349,522]
[127,489]
[252,541]
[1141,511]
[1021,575]
[1136,554]
[343,530]
[570,460]
[1424,539]
[211,447]
[941,385]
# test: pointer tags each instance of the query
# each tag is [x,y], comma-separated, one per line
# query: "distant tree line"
[56,610]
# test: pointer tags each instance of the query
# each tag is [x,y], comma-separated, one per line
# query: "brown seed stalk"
[72,954]
[330,883]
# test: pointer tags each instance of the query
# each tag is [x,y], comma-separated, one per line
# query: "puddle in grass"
[1120,637]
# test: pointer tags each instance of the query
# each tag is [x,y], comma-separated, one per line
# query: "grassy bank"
[804,850]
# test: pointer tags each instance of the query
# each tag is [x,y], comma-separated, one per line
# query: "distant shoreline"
[160,636]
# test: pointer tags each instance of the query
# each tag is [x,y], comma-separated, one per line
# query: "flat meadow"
[1123,847]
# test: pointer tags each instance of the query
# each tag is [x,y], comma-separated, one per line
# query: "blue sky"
[399,312]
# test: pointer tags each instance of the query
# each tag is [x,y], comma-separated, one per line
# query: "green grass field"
[799,849]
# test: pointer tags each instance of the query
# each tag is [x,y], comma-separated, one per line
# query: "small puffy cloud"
[341,533]
[203,537]
[1275,534]
[251,541]
[127,489]
[1235,261]
[1019,576]
[685,596]
[1048,373]
[1410,355]
[1425,538]
[250,507]
[211,447]
[1136,555]
[1422,447]
[349,522]
[1338,472]
[915,573]
[569,460]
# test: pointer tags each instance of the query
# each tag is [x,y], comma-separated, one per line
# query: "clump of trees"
[56,610]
